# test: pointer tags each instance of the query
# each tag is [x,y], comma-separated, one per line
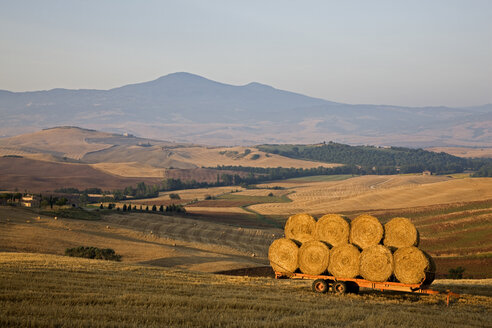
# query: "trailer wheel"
[340,287]
[320,286]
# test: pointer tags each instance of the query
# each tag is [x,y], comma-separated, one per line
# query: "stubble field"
[47,291]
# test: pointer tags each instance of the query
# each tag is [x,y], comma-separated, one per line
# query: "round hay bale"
[400,232]
[284,255]
[413,266]
[332,229]
[365,231]
[314,256]
[344,261]
[376,263]
[300,227]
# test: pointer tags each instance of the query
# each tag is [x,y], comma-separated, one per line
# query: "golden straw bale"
[400,232]
[300,227]
[376,263]
[365,231]
[332,229]
[284,255]
[344,261]
[413,266]
[313,257]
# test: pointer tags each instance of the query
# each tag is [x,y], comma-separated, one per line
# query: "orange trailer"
[325,283]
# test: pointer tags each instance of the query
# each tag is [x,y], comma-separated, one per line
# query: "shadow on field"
[169,262]
[263,271]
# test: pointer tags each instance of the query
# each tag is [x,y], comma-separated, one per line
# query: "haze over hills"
[183,107]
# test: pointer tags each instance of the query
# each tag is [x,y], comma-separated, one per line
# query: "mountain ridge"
[185,107]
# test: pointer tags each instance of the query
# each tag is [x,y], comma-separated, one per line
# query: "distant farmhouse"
[30,201]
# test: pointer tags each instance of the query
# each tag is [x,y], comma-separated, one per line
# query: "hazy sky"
[380,52]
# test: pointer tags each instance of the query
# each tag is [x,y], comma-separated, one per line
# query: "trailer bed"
[325,283]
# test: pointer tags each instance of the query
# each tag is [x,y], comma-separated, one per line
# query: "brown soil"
[39,176]
[474,267]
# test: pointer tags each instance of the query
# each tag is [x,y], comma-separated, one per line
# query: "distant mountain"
[183,107]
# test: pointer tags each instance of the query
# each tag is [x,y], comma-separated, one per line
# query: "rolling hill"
[32,175]
[73,144]
[82,158]
[183,107]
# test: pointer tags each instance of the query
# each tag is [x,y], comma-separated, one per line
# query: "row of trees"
[86,191]
[93,253]
[129,208]
[10,197]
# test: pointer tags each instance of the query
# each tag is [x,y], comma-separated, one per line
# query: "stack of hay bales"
[360,248]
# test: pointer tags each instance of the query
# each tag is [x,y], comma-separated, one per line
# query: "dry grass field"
[244,156]
[118,159]
[141,238]
[376,192]
[464,151]
[63,142]
[130,170]
[53,291]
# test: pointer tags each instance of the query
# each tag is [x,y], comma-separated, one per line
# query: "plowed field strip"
[241,239]
[452,228]
[453,217]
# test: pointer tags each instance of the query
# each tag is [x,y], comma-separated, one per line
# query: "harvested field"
[215,210]
[140,238]
[130,170]
[377,192]
[238,200]
[122,294]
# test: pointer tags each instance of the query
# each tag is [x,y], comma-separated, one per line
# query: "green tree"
[174,196]
[456,273]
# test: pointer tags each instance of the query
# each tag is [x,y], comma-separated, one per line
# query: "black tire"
[320,286]
[340,287]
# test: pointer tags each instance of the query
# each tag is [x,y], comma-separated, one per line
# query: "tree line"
[484,171]
[386,160]
[173,208]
